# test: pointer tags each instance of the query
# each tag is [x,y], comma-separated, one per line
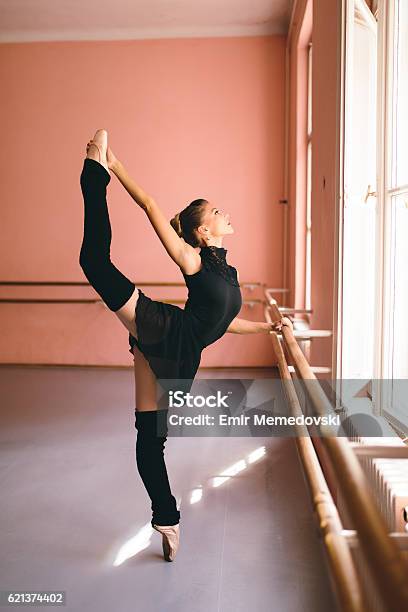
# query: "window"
[394,169]
[374,279]
[360,246]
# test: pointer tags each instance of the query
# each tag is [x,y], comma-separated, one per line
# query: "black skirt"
[167,340]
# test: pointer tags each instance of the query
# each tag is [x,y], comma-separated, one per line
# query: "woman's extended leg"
[116,290]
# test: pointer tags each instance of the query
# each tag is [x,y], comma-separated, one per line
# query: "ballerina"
[166,341]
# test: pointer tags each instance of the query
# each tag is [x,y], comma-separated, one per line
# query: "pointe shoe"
[100,147]
[170,540]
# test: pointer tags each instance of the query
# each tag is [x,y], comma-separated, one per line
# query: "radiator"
[389,482]
[389,486]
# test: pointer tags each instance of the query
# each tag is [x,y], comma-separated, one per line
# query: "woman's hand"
[110,157]
[112,160]
[277,326]
[287,322]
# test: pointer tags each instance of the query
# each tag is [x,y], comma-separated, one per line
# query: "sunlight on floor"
[238,466]
[196,495]
[142,539]
[133,546]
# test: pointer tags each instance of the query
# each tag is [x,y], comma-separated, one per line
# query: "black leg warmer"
[151,436]
[114,288]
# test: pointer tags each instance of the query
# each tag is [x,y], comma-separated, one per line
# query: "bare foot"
[97,148]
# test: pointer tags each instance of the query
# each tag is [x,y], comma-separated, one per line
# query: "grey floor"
[75,516]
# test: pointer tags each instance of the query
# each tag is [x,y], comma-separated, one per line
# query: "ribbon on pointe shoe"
[93,143]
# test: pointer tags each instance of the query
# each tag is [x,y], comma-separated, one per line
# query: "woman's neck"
[217,244]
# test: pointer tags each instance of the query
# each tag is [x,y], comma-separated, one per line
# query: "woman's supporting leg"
[151,425]
[151,428]
[114,287]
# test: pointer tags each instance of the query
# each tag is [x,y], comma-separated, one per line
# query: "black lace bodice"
[214,257]
[214,296]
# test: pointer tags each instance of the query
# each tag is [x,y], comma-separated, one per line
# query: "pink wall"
[190,118]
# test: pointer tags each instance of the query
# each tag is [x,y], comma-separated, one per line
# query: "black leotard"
[172,338]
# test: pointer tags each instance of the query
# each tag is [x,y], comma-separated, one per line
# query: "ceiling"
[48,20]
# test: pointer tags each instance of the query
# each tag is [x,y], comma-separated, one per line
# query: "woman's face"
[215,222]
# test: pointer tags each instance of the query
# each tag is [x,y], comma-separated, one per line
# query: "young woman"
[166,341]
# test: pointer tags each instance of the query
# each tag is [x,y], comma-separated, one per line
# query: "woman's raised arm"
[177,248]
[140,197]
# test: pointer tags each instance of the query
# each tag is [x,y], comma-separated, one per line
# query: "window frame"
[387,189]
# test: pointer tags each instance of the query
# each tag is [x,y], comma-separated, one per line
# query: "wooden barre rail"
[381,552]
[301,334]
[349,590]
[96,300]
[249,284]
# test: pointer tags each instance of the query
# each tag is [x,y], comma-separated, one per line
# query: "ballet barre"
[86,284]
[250,303]
[382,551]
[96,300]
